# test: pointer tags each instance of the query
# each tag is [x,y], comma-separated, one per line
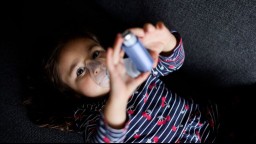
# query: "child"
[125,109]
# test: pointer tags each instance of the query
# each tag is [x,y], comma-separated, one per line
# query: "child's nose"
[96,71]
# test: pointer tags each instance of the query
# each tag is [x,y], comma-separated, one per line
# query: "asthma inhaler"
[137,53]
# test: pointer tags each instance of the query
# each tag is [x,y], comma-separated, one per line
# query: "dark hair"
[51,64]
[47,106]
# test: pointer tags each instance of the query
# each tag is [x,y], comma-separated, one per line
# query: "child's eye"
[80,71]
[95,54]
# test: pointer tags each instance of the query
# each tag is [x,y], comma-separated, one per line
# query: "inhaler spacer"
[98,72]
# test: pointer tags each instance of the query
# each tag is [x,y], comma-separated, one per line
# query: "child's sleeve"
[105,134]
[173,62]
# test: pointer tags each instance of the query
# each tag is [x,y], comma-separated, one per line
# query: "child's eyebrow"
[74,63]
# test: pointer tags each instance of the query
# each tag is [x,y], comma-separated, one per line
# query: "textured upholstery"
[219,41]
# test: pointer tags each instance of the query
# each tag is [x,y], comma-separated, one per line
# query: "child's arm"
[114,119]
[172,61]
[122,85]
[165,46]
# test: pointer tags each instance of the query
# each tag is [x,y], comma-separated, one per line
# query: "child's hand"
[120,82]
[121,85]
[158,39]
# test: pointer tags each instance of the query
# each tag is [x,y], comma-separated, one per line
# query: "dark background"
[219,40]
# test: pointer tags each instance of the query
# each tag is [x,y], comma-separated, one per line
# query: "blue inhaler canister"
[136,52]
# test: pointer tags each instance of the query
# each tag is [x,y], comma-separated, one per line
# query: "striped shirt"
[154,112]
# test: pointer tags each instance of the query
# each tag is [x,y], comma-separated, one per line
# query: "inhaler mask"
[98,72]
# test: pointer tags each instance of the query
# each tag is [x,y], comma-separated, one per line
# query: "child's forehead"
[74,50]
[78,44]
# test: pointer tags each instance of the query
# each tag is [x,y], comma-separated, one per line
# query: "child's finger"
[139,32]
[122,54]
[160,25]
[117,48]
[148,27]
[109,60]
[139,79]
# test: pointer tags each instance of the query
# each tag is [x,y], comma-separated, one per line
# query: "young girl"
[124,109]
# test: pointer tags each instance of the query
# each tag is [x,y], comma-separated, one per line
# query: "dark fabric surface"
[219,36]
[15,127]
[219,41]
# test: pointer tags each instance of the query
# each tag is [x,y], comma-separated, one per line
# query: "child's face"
[72,63]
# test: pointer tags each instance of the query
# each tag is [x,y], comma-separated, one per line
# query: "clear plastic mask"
[98,72]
